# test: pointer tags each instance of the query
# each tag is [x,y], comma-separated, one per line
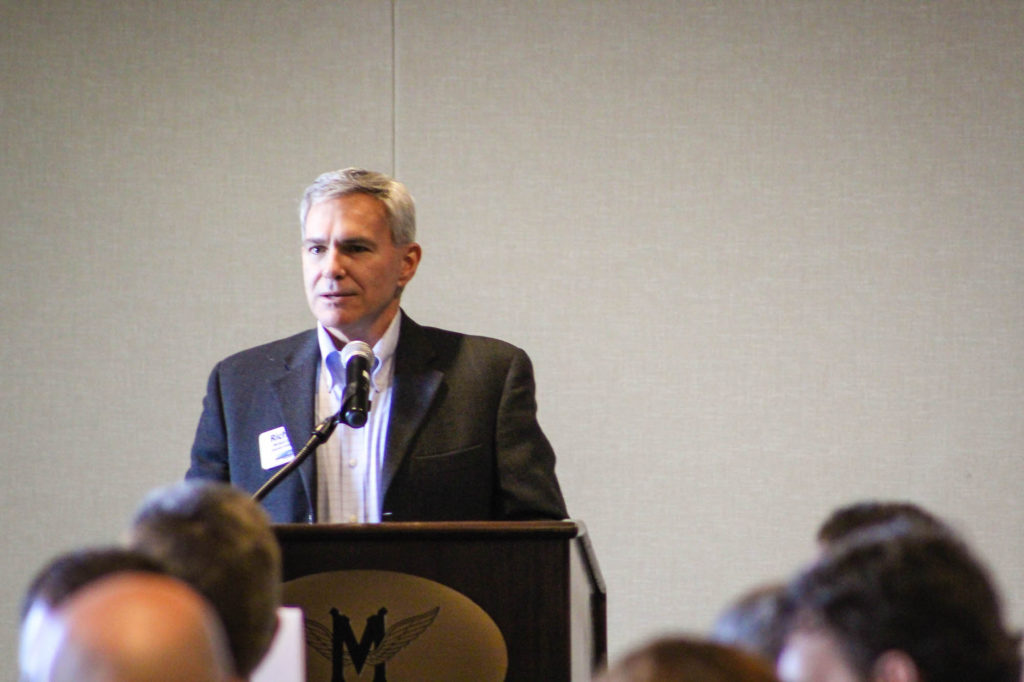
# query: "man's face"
[814,656]
[353,271]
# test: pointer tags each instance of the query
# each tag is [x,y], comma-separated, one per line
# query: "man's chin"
[334,322]
[353,324]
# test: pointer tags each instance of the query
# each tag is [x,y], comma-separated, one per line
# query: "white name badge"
[275,448]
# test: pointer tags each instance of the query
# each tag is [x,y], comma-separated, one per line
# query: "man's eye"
[316,250]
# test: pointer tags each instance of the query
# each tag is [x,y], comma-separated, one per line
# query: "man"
[452,431]
[55,583]
[897,604]
[216,539]
[137,627]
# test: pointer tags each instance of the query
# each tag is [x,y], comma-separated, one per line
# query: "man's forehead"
[352,201]
[364,218]
[338,238]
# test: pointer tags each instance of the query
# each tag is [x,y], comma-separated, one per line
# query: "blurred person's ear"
[895,666]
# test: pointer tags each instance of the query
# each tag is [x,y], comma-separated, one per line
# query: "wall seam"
[394,90]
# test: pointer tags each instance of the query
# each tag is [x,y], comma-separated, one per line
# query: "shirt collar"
[383,353]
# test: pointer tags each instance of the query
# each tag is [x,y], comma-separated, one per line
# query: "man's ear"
[895,666]
[410,261]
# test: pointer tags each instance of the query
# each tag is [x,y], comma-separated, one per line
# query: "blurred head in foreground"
[896,604]
[212,536]
[690,660]
[137,627]
[853,518]
[56,582]
[755,622]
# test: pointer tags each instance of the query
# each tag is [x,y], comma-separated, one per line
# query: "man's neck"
[370,335]
[340,339]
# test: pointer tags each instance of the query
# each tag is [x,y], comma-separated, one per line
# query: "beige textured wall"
[767,257]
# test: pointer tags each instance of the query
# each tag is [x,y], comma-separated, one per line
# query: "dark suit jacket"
[463,439]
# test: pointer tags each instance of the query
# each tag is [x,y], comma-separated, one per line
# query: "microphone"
[357,356]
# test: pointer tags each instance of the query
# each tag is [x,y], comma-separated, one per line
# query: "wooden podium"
[537,581]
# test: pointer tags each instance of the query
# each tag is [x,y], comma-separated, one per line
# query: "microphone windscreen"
[353,348]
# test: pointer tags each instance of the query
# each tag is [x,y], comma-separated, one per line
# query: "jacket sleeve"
[528,487]
[210,447]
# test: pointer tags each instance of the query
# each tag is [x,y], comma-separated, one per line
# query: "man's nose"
[335,264]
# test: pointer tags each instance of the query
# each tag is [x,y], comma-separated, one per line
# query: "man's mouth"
[333,298]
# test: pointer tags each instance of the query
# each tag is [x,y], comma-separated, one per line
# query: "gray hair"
[397,201]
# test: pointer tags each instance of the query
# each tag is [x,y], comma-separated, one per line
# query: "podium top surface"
[425,530]
[295,535]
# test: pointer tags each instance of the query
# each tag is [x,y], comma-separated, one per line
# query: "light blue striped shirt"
[349,463]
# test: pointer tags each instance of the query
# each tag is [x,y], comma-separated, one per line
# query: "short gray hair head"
[397,201]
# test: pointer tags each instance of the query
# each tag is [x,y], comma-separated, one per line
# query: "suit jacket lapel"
[296,394]
[414,386]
